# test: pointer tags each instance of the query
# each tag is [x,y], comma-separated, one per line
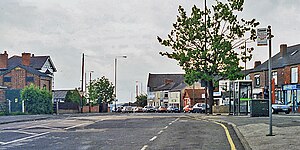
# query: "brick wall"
[287,75]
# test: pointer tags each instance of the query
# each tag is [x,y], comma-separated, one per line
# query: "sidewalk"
[253,130]
[23,118]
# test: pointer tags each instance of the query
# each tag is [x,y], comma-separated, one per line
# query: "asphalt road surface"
[118,131]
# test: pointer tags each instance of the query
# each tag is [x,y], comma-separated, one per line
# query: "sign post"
[263,36]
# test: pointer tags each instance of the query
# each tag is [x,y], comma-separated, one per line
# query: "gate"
[15,100]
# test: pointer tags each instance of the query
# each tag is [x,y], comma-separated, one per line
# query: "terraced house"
[17,72]
[285,76]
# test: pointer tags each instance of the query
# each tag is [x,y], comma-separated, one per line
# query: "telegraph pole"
[205,50]
[82,80]
[270,80]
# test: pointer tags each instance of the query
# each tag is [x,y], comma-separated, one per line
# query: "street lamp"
[116,58]
[90,88]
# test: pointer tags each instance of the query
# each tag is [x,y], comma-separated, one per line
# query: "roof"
[157,80]
[36,62]
[291,58]
[59,94]
[166,87]
[180,87]
[29,69]
[198,92]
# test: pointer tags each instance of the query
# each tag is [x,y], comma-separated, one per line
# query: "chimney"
[3,60]
[257,63]
[283,49]
[26,59]
[168,81]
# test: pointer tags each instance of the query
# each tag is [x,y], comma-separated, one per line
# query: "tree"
[141,100]
[37,101]
[101,89]
[206,51]
[73,96]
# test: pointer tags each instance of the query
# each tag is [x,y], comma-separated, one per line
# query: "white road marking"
[1,143]
[170,123]
[19,131]
[166,127]
[177,119]
[76,126]
[160,132]
[153,138]
[22,139]
[145,147]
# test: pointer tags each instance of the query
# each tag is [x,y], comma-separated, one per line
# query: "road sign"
[262,37]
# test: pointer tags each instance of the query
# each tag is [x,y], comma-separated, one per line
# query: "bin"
[259,108]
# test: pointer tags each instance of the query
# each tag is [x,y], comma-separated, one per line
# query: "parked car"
[173,109]
[149,109]
[138,109]
[162,109]
[187,109]
[281,108]
[199,108]
[127,109]
[119,109]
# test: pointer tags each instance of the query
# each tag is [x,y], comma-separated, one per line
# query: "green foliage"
[101,89]
[37,101]
[223,33]
[73,96]
[141,100]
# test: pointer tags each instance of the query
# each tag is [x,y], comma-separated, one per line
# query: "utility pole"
[205,50]
[89,91]
[270,80]
[82,80]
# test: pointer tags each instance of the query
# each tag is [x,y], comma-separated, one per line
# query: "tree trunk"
[211,96]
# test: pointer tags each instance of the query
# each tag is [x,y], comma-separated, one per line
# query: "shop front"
[291,96]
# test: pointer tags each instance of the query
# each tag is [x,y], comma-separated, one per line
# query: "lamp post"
[116,58]
[90,88]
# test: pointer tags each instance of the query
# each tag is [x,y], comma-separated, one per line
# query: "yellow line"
[228,136]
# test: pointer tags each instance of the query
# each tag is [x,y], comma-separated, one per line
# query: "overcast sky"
[104,29]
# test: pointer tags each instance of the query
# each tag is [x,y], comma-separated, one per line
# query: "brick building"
[285,75]
[17,72]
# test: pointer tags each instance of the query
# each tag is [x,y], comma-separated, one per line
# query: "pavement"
[252,131]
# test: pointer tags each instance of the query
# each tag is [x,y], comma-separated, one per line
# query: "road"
[118,131]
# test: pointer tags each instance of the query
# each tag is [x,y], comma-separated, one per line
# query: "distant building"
[167,90]
[17,72]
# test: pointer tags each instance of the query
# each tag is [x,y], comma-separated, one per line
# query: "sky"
[106,29]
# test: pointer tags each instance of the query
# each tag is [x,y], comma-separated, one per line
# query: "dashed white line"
[153,138]
[22,139]
[166,127]
[160,132]
[145,147]
[170,123]
[1,143]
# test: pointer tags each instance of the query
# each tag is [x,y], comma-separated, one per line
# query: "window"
[257,80]
[294,75]
[274,76]
[7,79]
[29,79]
[166,95]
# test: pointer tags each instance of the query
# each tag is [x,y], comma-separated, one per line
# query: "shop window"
[7,79]
[294,75]
[257,80]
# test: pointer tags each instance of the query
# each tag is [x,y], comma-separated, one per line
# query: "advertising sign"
[262,37]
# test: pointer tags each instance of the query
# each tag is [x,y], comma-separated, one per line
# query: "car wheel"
[273,111]
[287,112]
